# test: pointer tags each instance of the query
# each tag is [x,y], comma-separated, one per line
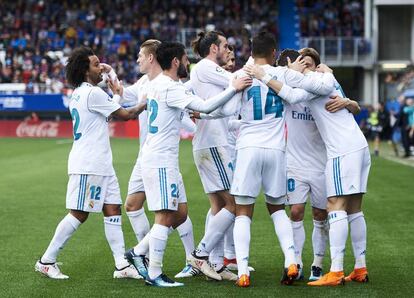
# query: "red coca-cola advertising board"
[60,129]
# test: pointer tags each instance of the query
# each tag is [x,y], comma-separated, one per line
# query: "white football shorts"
[90,192]
[301,183]
[135,183]
[258,168]
[348,174]
[164,188]
[214,166]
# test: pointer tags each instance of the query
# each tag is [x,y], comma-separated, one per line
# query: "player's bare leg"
[134,207]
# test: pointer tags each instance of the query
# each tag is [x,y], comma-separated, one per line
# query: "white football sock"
[185,230]
[319,241]
[115,238]
[284,232]
[208,216]
[338,233]
[65,229]
[139,223]
[242,243]
[299,240]
[217,254]
[216,228]
[229,250]
[358,233]
[143,246]
[157,243]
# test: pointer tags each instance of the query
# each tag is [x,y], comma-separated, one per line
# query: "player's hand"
[323,68]
[241,83]
[299,64]
[194,115]
[116,87]
[106,67]
[336,103]
[254,71]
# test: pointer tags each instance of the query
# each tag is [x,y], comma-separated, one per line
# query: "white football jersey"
[208,79]
[91,152]
[135,94]
[339,131]
[305,147]
[166,101]
[262,114]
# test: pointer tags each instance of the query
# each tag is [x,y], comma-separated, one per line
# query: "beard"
[182,71]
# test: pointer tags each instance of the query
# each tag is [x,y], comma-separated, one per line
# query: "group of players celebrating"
[287,130]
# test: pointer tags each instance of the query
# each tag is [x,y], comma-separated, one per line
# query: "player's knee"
[319,214]
[134,202]
[111,210]
[297,213]
[80,215]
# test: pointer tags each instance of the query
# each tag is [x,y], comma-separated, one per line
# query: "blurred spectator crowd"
[330,18]
[393,119]
[36,37]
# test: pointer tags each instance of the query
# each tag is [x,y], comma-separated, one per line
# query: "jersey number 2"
[76,122]
[273,105]
[153,109]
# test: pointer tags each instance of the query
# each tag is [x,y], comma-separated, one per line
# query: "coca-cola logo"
[45,129]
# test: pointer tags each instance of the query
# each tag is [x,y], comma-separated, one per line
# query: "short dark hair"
[282,59]
[78,65]
[201,45]
[310,52]
[167,51]
[263,45]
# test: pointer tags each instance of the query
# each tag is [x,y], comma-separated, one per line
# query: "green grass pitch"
[32,195]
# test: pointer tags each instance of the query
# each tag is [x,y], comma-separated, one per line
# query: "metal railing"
[342,51]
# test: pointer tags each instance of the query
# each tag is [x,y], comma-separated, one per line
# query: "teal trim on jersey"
[274,104]
[80,191]
[220,167]
[339,177]
[340,90]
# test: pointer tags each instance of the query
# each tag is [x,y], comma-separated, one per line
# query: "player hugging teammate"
[296,137]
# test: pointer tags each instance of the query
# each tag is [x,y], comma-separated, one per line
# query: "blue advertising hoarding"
[33,102]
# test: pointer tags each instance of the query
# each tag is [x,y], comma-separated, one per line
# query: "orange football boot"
[359,275]
[329,279]
[243,281]
[289,274]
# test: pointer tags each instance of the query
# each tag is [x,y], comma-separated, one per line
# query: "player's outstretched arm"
[121,113]
[338,103]
[287,93]
[207,106]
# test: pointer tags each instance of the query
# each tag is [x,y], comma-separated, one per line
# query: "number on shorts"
[291,184]
[76,121]
[153,109]
[95,192]
[174,191]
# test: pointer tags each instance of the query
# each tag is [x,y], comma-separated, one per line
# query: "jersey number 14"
[273,104]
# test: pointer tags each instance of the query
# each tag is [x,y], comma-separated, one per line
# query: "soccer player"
[136,194]
[93,185]
[306,160]
[167,98]
[210,142]
[346,175]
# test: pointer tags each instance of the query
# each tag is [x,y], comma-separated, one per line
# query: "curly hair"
[78,64]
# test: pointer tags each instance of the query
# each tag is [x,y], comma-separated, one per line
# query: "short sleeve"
[178,96]
[102,103]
